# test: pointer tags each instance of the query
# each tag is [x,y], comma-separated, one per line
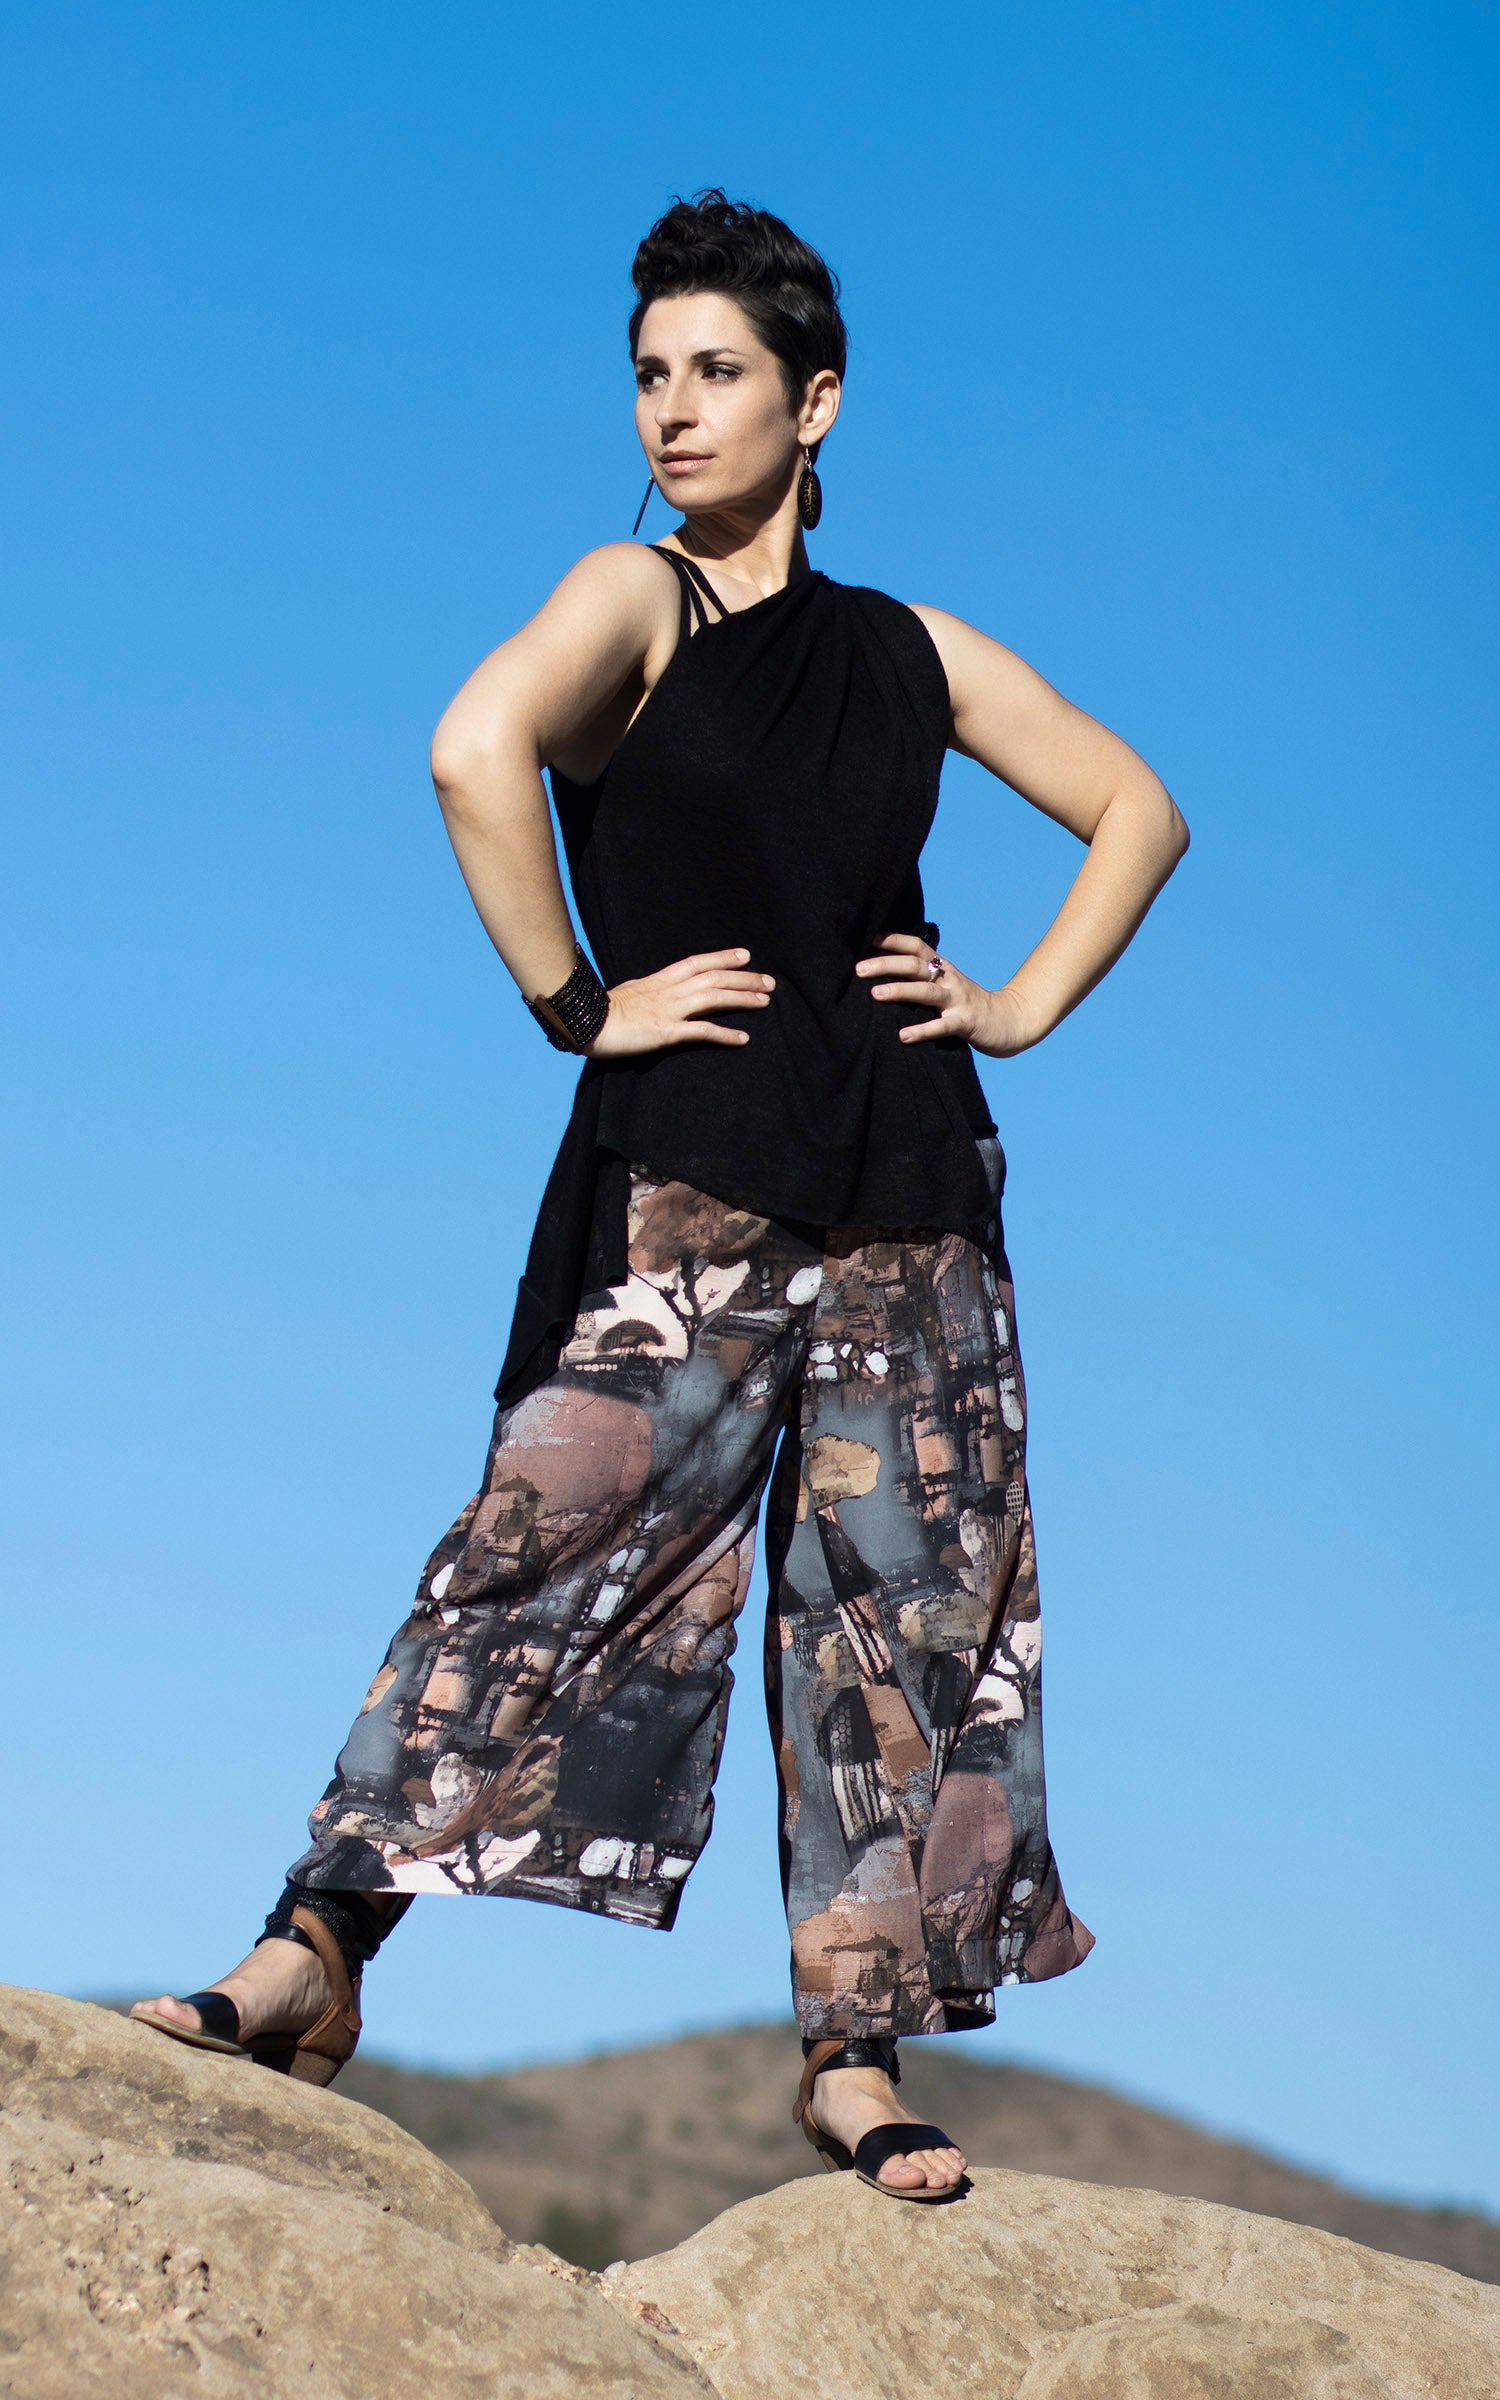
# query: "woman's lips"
[684,465]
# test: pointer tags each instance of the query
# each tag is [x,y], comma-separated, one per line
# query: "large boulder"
[1034,2289]
[175,2222]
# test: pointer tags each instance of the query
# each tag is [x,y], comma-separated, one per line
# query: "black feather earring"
[640,512]
[809,493]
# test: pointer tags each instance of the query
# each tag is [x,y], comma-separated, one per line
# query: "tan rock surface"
[175,2222]
[1035,2289]
[172,2222]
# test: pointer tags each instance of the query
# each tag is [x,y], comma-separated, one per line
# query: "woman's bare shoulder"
[975,663]
[618,601]
[955,635]
[627,569]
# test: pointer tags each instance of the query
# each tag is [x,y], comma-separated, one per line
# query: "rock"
[1035,2289]
[179,2222]
[176,2223]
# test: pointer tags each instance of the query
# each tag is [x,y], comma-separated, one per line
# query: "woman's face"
[711,407]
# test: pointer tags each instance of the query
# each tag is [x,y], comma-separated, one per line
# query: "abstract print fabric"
[548,1721]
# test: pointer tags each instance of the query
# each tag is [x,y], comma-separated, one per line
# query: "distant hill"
[624,2155]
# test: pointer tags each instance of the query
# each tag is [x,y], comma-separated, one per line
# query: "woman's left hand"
[909,969]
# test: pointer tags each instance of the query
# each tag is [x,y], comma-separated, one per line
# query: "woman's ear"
[820,405]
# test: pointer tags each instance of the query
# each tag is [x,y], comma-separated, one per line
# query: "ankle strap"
[290,1933]
[857,2050]
[357,1922]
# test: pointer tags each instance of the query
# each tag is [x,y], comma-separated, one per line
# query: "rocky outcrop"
[175,2223]
[172,2222]
[1034,2289]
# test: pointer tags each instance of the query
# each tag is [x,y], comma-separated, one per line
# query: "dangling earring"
[809,493]
[640,512]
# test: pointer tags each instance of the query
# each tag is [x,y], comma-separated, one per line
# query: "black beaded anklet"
[573,1016]
[356,1924]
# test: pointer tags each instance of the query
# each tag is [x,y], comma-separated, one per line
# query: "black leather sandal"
[313,2056]
[884,2142]
[218,2023]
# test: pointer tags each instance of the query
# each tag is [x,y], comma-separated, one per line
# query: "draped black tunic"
[773,793]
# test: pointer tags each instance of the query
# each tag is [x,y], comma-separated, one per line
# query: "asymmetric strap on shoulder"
[695,589]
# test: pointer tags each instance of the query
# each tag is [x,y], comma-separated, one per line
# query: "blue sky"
[1173,365]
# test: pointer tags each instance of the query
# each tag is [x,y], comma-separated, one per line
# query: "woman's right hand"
[660,1011]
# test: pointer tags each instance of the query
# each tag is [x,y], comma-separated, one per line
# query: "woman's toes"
[940,2168]
[903,2174]
[174,2010]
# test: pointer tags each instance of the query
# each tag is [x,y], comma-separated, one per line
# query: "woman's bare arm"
[1079,773]
[608,628]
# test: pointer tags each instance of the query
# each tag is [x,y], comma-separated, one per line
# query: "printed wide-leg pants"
[548,1721]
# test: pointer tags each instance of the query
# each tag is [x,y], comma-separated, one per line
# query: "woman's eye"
[727,374]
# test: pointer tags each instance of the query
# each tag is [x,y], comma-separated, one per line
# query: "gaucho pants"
[548,1721]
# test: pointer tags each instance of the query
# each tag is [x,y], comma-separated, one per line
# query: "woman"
[768,1255]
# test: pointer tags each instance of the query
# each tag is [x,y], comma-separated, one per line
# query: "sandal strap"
[217,2014]
[842,2050]
[358,1921]
[343,2005]
[870,2050]
[290,1933]
[817,2058]
[896,2141]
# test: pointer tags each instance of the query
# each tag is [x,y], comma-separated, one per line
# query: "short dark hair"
[789,293]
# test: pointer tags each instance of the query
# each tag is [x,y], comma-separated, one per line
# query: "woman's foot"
[849,2102]
[280,1988]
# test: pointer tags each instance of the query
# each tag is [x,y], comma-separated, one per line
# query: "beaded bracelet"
[573,1016]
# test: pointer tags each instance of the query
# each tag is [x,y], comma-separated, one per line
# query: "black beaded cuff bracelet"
[573,1015]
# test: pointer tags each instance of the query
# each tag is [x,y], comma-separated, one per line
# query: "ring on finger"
[934,968]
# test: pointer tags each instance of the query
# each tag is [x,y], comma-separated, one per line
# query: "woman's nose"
[673,410]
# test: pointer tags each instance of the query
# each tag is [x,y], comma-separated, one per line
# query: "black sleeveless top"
[773,792]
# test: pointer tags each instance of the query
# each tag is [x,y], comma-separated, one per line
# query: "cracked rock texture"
[175,2223]
[172,2222]
[1034,2289]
